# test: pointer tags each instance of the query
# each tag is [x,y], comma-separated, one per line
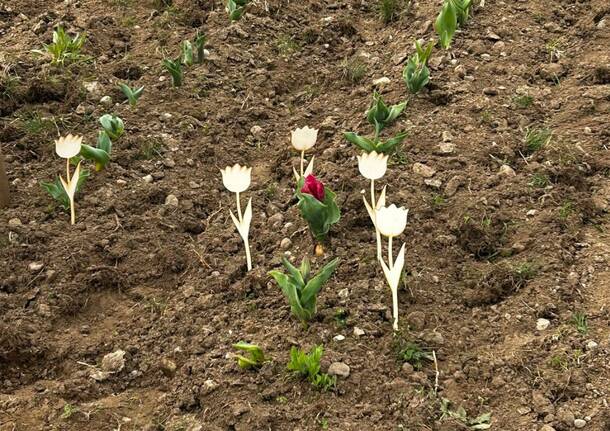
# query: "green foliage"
[307,365]
[579,319]
[566,210]
[69,410]
[390,10]
[174,67]
[236,9]
[415,355]
[416,73]
[462,8]
[132,94]
[301,287]
[57,191]
[446,23]
[113,126]
[481,422]
[100,154]
[254,358]
[341,315]
[523,101]
[63,49]
[286,45]
[354,69]
[320,215]
[381,115]
[186,53]
[200,40]
[536,139]
[379,146]
[539,181]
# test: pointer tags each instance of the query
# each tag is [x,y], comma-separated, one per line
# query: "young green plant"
[307,365]
[391,222]
[236,9]
[370,145]
[237,180]
[186,56]
[373,166]
[254,356]
[446,23]
[132,94]
[416,73]
[381,115]
[174,67]
[112,125]
[301,287]
[200,40]
[63,49]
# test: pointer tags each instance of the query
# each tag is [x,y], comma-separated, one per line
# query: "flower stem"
[248,257]
[238,206]
[72,212]
[390,258]
[395,308]
[377,233]
[68,171]
[302,160]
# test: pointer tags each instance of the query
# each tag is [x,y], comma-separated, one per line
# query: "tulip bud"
[313,187]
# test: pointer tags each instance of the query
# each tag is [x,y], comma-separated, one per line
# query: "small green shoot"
[69,411]
[254,356]
[416,73]
[236,9]
[368,145]
[63,49]
[341,317]
[481,422]
[566,210]
[523,101]
[536,139]
[307,365]
[301,287]
[132,94]
[579,319]
[112,125]
[415,355]
[186,53]
[174,67]
[381,115]
[539,181]
[354,69]
[200,40]
[390,10]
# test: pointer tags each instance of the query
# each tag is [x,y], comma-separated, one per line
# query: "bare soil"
[488,253]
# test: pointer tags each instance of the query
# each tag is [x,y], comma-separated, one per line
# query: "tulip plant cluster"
[454,13]
[187,58]
[416,73]
[74,151]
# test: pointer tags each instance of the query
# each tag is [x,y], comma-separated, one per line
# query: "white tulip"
[305,138]
[372,165]
[236,178]
[391,221]
[68,146]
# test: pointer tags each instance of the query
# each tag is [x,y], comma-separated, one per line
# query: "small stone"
[35,266]
[425,27]
[407,368]
[256,130]
[423,170]
[169,163]
[447,136]
[339,337]
[506,171]
[547,428]
[498,46]
[106,101]
[452,185]
[113,362]
[579,423]
[416,320]
[592,345]
[531,213]
[285,244]
[171,200]
[168,367]
[542,324]
[523,410]
[121,182]
[602,23]
[446,148]
[166,116]
[148,178]
[14,222]
[276,220]
[381,81]
[435,183]
[94,88]
[340,369]
[194,185]
[344,293]
[358,332]
[490,91]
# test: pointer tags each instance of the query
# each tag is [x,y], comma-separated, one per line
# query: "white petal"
[309,169]
[245,224]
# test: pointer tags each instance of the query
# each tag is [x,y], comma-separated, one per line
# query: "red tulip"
[313,187]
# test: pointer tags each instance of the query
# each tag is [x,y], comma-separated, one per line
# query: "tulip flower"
[304,139]
[318,207]
[236,179]
[66,148]
[391,222]
[373,166]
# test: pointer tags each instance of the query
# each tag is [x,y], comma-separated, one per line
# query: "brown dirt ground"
[168,283]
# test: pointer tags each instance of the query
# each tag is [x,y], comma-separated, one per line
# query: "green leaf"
[305,269]
[319,215]
[113,126]
[416,75]
[365,144]
[99,156]
[187,53]
[175,70]
[296,275]
[395,111]
[315,284]
[388,146]
[57,191]
[446,23]
[290,290]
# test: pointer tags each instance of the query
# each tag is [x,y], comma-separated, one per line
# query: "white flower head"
[68,146]
[391,221]
[372,165]
[305,138]
[236,178]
